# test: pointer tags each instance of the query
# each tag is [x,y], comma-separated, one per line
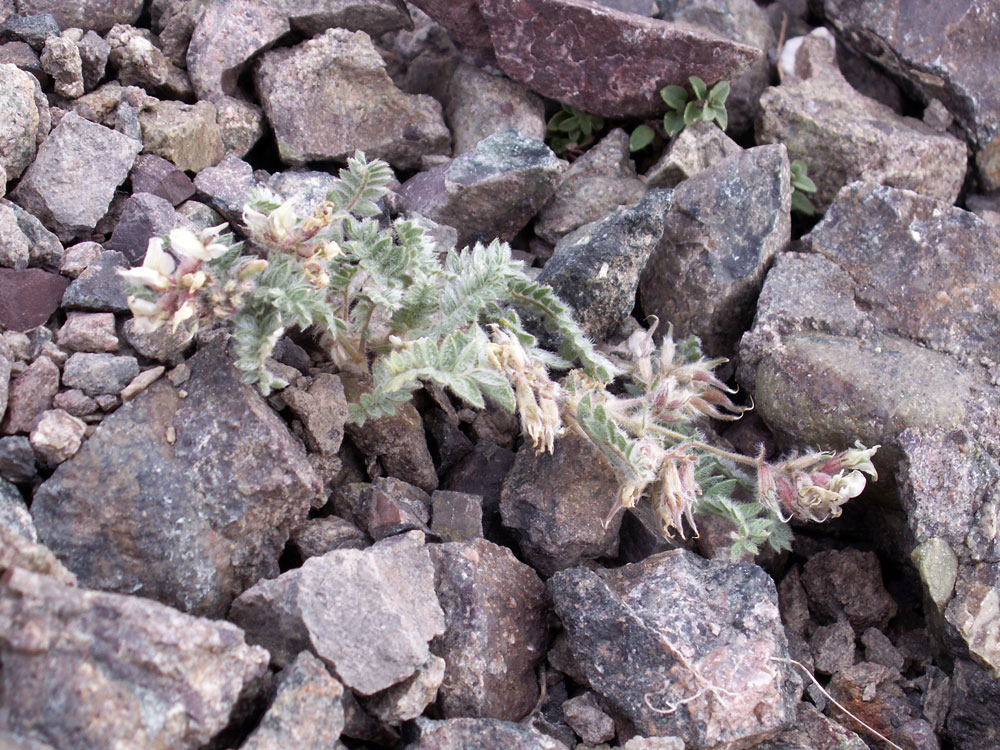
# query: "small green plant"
[801,184]
[706,105]
[570,130]
[384,305]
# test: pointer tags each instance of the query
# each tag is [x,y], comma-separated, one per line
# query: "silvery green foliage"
[385,302]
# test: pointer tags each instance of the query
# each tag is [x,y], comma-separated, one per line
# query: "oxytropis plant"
[387,304]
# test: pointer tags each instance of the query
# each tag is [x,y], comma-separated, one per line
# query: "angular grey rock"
[464,23]
[558,504]
[742,21]
[491,191]
[389,506]
[13,512]
[480,734]
[218,477]
[677,627]
[588,720]
[18,551]
[832,647]
[480,104]
[14,250]
[225,186]
[495,631]
[456,516]
[602,60]
[228,34]
[321,535]
[305,188]
[145,216]
[724,228]
[596,184]
[408,699]
[99,287]
[241,124]
[17,459]
[44,248]
[61,60]
[31,393]
[99,15]
[354,106]
[374,17]
[596,269]
[913,237]
[186,134]
[105,670]
[323,411]
[972,616]
[19,120]
[398,442]
[5,368]
[94,53]
[95,374]
[369,614]
[844,136]
[70,184]
[697,148]
[154,174]
[948,56]
[174,21]
[137,59]
[306,713]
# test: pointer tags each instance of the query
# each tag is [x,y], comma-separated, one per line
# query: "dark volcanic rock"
[596,269]
[145,216]
[813,731]
[154,174]
[464,23]
[682,646]
[601,60]
[28,298]
[217,476]
[848,584]
[557,504]
[724,228]
[974,719]
[99,287]
[369,613]
[495,631]
[491,191]
[83,669]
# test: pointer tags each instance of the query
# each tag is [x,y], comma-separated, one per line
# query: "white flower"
[281,221]
[155,270]
[149,316]
[185,242]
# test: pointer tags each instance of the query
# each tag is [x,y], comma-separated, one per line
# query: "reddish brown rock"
[31,393]
[28,298]
[602,60]
[848,583]
[464,23]
[495,630]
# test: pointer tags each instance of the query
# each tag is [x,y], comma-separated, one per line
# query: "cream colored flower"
[186,243]
[149,317]
[156,269]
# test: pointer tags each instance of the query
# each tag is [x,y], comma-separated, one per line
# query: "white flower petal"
[184,242]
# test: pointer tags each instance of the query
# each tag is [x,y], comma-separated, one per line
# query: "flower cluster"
[177,283]
[815,486]
[281,229]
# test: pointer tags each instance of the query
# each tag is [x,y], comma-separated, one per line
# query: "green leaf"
[722,117]
[641,137]
[692,112]
[699,87]
[675,96]
[797,168]
[673,123]
[708,113]
[802,204]
[719,94]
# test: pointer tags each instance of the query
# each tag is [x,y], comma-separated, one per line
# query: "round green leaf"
[721,117]
[720,92]
[700,89]
[641,137]
[802,204]
[673,123]
[675,96]
[692,112]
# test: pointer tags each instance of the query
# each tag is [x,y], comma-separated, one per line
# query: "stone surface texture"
[480,734]
[495,631]
[136,673]
[354,106]
[70,184]
[596,184]
[672,630]
[491,191]
[844,136]
[99,15]
[29,297]
[186,134]
[218,479]
[558,504]
[724,228]
[601,60]
[19,120]
[596,268]
[368,614]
